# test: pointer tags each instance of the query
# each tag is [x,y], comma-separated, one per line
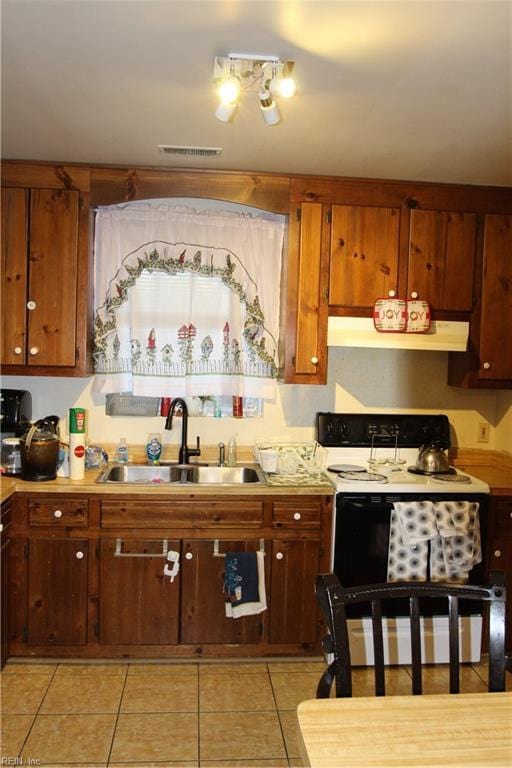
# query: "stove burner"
[345,468]
[450,478]
[366,477]
[450,472]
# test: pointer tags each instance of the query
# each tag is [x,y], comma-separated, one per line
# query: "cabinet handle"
[57,513]
[297,515]
[189,556]
[279,556]
[391,294]
[414,295]
[17,350]
[79,555]
[486,366]
[497,553]
[314,359]
[31,305]
[34,350]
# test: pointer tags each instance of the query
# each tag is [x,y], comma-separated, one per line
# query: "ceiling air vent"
[172,149]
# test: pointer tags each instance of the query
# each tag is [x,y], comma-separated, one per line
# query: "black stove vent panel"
[360,430]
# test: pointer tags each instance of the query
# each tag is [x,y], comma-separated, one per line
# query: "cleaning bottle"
[122,451]
[231,457]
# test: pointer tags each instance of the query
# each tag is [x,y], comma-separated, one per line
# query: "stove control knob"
[497,553]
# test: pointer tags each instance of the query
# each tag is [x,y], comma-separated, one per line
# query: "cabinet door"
[203,618]
[441,258]
[138,603]
[57,591]
[14,275]
[495,358]
[293,607]
[364,254]
[501,560]
[52,288]
[306,332]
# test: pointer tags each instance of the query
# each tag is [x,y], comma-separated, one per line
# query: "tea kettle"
[40,450]
[432,459]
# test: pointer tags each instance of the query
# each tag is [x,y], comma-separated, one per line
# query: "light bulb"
[282,86]
[229,90]
[226,112]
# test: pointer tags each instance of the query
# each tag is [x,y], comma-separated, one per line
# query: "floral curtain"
[187,301]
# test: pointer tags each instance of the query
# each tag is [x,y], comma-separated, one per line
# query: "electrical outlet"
[483,432]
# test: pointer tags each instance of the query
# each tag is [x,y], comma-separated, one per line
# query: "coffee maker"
[16,412]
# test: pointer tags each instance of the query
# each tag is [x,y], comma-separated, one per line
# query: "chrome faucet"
[222,455]
[185,452]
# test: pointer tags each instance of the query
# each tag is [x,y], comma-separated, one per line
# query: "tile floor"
[183,714]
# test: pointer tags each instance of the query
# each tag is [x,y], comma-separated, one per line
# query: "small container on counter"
[154,448]
[77,430]
[122,451]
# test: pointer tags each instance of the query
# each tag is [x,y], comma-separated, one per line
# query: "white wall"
[359,380]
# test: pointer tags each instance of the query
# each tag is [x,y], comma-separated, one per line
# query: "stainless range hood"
[445,336]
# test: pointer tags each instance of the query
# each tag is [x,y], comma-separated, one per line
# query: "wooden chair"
[333,600]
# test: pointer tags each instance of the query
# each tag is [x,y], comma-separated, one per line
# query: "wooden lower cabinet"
[5,613]
[138,603]
[82,585]
[500,552]
[293,611]
[57,591]
[203,616]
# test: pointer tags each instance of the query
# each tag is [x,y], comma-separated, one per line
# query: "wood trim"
[28,174]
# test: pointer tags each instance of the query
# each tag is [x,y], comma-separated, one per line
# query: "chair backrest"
[333,599]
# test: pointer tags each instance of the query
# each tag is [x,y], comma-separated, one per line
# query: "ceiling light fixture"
[238,72]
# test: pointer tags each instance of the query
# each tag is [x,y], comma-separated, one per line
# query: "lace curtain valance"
[187,301]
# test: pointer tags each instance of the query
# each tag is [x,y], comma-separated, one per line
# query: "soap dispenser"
[231,457]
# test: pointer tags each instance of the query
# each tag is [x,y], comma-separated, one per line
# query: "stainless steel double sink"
[181,474]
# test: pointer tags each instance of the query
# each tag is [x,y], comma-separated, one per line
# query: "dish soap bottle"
[122,451]
[231,457]
[154,449]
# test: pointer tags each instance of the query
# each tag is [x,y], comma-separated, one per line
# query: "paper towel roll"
[76,456]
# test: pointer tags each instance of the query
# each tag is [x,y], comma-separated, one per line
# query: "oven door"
[360,557]
[361,547]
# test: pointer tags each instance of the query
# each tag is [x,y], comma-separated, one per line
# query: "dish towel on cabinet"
[244,584]
[453,529]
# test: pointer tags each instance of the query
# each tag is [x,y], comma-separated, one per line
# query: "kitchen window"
[187,301]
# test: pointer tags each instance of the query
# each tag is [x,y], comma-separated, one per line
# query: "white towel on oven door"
[412,525]
[458,547]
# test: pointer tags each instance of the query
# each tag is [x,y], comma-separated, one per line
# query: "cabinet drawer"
[289,514]
[181,514]
[504,517]
[58,512]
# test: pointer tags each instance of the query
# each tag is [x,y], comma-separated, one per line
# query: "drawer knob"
[297,515]
[314,360]
[79,555]
[34,350]
[486,366]
[414,295]
[31,305]
[189,556]
[497,553]
[17,350]
[279,556]
[391,294]
[57,513]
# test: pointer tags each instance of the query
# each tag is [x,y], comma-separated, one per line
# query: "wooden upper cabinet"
[442,258]
[46,271]
[495,354]
[53,270]
[14,274]
[364,254]
[306,331]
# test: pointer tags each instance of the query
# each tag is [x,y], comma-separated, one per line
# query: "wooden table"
[467,729]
